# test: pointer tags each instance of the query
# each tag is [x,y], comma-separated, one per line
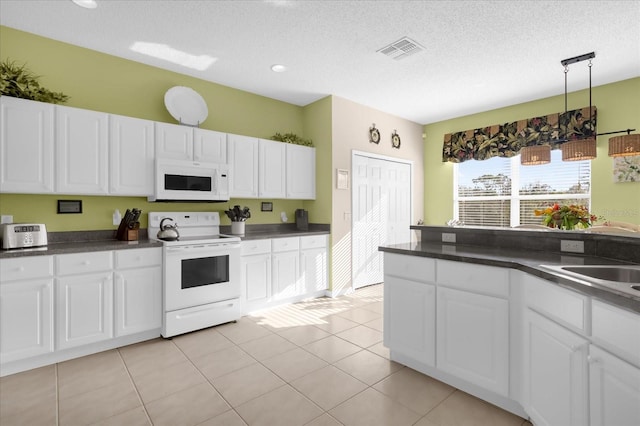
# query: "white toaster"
[23,235]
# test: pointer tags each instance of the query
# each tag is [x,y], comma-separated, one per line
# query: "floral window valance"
[506,140]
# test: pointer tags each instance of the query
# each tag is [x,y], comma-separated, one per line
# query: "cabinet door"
[473,338]
[314,270]
[132,155]
[285,275]
[26,146]
[209,146]
[614,390]
[555,373]
[301,172]
[243,159]
[138,302]
[82,151]
[256,280]
[410,318]
[26,319]
[174,141]
[271,180]
[84,309]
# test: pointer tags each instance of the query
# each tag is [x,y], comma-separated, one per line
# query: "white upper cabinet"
[271,167]
[243,161]
[179,142]
[301,172]
[132,155]
[209,146]
[81,151]
[174,141]
[26,146]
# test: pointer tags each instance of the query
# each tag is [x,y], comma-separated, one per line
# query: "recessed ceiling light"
[278,68]
[168,53]
[87,4]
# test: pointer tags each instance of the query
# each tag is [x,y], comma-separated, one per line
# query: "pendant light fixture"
[578,149]
[535,155]
[585,149]
[626,145]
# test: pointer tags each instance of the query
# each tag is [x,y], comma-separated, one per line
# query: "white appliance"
[23,235]
[201,276]
[179,180]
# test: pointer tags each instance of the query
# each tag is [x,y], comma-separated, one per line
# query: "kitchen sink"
[623,274]
[620,278]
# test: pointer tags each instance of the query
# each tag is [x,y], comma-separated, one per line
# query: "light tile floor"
[318,362]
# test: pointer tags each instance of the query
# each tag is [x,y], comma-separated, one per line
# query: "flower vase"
[237,228]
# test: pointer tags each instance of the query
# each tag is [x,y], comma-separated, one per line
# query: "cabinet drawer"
[413,268]
[69,264]
[556,302]
[473,277]
[255,247]
[617,330]
[285,244]
[26,267]
[313,241]
[138,258]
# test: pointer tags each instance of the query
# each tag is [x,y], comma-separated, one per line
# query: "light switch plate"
[448,237]
[572,246]
[6,218]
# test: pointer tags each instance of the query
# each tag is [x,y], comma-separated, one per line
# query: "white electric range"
[201,276]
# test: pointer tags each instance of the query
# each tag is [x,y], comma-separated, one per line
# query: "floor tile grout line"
[57,394]
[135,387]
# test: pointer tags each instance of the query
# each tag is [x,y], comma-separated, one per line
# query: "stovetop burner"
[193,227]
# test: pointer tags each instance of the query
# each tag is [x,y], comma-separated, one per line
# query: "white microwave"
[190,181]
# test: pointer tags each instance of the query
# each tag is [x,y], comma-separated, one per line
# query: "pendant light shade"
[578,150]
[622,146]
[535,155]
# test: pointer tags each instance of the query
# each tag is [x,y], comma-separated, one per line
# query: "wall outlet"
[6,218]
[448,237]
[572,246]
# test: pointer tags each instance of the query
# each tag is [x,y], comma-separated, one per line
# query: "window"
[501,192]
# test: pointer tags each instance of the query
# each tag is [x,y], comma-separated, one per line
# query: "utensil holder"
[237,228]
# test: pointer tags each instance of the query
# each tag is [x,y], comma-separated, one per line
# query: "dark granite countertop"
[266,231]
[88,241]
[525,260]
[79,247]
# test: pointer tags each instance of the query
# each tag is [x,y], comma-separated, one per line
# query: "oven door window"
[205,271]
[187,183]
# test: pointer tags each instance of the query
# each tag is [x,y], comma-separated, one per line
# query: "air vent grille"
[401,48]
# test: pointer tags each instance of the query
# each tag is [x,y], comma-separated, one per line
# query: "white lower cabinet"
[473,338]
[84,309]
[138,291]
[256,274]
[614,390]
[409,318]
[26,307]
[555,363]
[282,270]
[285,268]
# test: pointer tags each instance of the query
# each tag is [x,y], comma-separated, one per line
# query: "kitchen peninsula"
[481,314]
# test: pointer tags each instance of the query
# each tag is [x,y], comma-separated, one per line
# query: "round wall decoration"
[395,140]
[374,134]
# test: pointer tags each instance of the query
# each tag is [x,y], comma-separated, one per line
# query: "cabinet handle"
[86,262]
[592,359]
[21,269]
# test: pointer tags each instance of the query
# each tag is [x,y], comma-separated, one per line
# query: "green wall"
[102,82]
[618,108]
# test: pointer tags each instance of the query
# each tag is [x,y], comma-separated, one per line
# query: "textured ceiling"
[478,55]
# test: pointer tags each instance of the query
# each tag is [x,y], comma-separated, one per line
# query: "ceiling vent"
[401,48]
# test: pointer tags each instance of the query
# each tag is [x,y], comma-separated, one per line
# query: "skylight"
[175,56]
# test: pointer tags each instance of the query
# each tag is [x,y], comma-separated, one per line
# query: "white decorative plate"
[186,105]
